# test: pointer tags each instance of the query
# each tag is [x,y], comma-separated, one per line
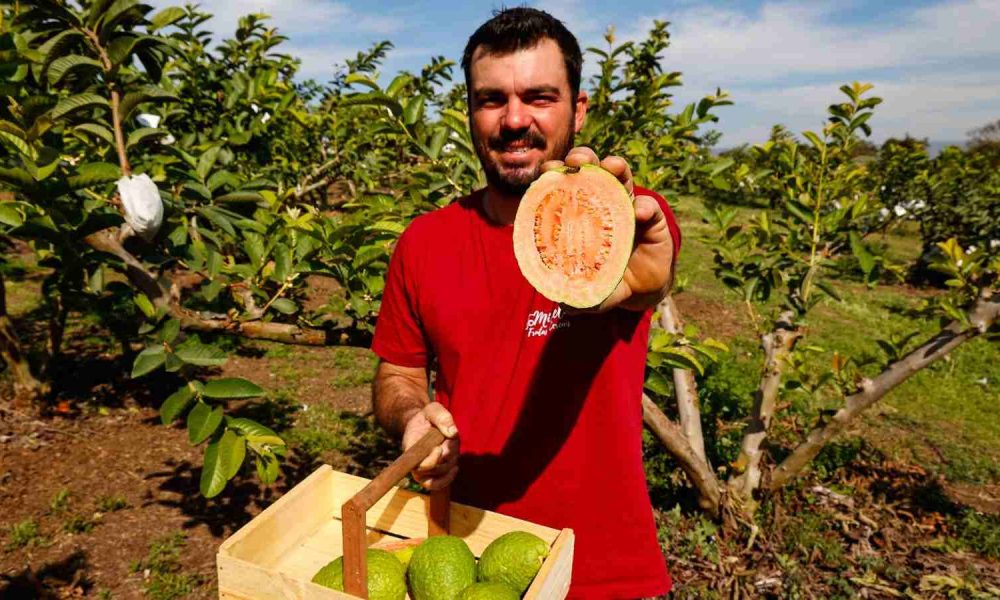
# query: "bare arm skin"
[403,408]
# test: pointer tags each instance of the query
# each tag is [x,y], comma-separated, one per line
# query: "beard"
[515,180]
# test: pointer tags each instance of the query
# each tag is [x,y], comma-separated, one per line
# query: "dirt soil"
[125,453]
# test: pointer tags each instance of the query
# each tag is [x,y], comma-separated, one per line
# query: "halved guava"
[573,235]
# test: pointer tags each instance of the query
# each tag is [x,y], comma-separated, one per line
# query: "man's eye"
[542,100]
[491,101]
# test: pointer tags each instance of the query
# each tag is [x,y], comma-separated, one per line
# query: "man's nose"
[517,116]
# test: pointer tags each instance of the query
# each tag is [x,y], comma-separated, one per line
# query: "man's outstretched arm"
[403,408]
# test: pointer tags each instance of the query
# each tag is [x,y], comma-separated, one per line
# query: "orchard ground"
[97,499]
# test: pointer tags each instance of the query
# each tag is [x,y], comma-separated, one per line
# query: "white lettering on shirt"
[540,323]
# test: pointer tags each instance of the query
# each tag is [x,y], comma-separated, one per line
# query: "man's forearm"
[396,398]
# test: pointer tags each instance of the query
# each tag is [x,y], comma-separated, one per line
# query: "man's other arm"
[403,408]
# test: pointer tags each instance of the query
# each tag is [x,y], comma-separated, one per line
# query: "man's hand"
[441,465]
[649,274]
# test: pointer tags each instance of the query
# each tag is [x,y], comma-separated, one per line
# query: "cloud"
[934,65]
[299,17]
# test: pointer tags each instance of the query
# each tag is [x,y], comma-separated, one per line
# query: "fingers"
[439,467]
[551,164]
[581,155]
[647,211]
[618,167]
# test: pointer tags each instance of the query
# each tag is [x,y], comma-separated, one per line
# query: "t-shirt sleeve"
[399,336]
[675,230]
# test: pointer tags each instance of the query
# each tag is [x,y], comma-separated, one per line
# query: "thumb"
[440,418]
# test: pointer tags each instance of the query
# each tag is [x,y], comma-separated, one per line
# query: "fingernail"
[451,430]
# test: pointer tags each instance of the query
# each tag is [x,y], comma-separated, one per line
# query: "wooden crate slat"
[553,579]
[283,524]
[241,578]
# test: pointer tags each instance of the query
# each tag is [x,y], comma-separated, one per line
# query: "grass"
[108,504]
[945,413]
[24,535]
[161,569]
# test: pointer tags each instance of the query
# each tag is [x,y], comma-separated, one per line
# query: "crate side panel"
[280,526]
[242,580]
[553,579]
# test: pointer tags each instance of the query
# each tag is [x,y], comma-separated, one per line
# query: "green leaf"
[437,142]
[826,287]
[414,108]
[865,258]
[232,387]
[142,301]
[267,469]
[19,143]
[232,451]
[97,130]
[213,478]
[814,139]
[57,44]
[175,404]
[74,104]
[148,360]
[192,351]
[368,254]
[374,99]
[202,422]
[249,427]
[206,161]
[18,178]
[282,263]
[91,174]
[63,66]
[171,329]
[146,93]
[142,134]
[285,306]
[165,18]
[657,383]
[362,79]
[10,215]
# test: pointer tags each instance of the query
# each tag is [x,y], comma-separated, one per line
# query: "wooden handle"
[353,511]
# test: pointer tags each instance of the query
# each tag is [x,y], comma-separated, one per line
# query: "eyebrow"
[540,89]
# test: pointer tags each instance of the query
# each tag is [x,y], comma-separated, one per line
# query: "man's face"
[522,113]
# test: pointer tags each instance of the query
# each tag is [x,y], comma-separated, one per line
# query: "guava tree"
[779,263]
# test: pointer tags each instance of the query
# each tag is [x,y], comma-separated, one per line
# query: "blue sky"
[935,63]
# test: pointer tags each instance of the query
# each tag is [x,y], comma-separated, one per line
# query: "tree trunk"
[688,409]
[983,315]
[697,470]
[778,345]
[26,386]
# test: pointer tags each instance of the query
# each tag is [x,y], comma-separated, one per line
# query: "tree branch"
[684,385]
[983,314]
[778,345]
[166,298]
[697,470]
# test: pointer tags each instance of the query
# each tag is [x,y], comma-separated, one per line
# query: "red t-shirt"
[548,407]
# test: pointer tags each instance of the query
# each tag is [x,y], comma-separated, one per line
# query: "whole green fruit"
[386,576]
[513,559]
[440,568]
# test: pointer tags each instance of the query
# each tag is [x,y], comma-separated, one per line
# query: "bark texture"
[778,344]
[697,470]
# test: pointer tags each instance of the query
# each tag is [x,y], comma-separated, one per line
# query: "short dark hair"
[519,28]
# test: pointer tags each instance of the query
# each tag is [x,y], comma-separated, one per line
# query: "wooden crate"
[274,556]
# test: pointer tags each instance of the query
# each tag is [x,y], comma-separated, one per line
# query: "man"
[545,405]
